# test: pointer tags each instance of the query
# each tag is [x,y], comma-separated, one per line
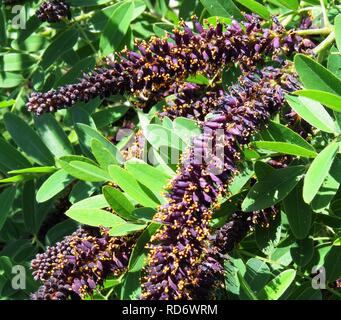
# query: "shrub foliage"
[156,149]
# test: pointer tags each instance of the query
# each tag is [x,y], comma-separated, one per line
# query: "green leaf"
[11,158]
[86,134]
[330,100]
[256,7]
[263,169]
[272,188]
[76,72]
[328,220]
[60,44]
[318,171]
[332,263]
[137,260]
[334,62]
[29,206]
[199,79]
[315,76]
[124,229]
[129,184]
[257,274]
[59,231]
[81,113]
[15,61]
[27,139]
[153,178]
[18,178]
[280,133]
[88,3]
[5,266]
[145,214]
[290,4]
[245,287]
[285,148]
[34,170]
[167,123]
[94,217]
[337,25]
[214,21]
[299,214]
[302,251]
[160,29]
[268,237]
[226,210]
[3,35]
[312,112]
[53,135]
[102,155]
[94,202]
[6,104]
[329,187]
[82,190]
[186,129]
[224,8]
[139,8]
[335,207]
[56,183]
[116,28]
[118,202]
[70,158]
[33,43]
[108,116]
[6,201]
[309,293]
[10,79]
[160,137]
[84,171]
[276,287]
[233,266]
[241,179]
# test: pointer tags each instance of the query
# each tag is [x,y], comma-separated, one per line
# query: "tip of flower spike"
[53,11]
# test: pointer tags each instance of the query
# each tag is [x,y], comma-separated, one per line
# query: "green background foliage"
[57,171]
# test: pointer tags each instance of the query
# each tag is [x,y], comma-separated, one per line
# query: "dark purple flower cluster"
[76,265]
[53,11]
[53,289]
[151,72]
[135,147]
[280,162]
[224,240]
[192,101]
[176,250]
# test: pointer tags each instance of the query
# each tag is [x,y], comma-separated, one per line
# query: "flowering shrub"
[163,150]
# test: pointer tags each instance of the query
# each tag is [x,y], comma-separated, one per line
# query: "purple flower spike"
[76,265]
[160,64]
[53,11]
[176,250]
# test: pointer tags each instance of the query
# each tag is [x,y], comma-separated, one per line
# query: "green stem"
[20,93]
[109,293]
[321,31]
[156,17]
[86,38]
[36,241]
[84,16]
[325,43]
[202,14]
[324,13]
[288,19]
